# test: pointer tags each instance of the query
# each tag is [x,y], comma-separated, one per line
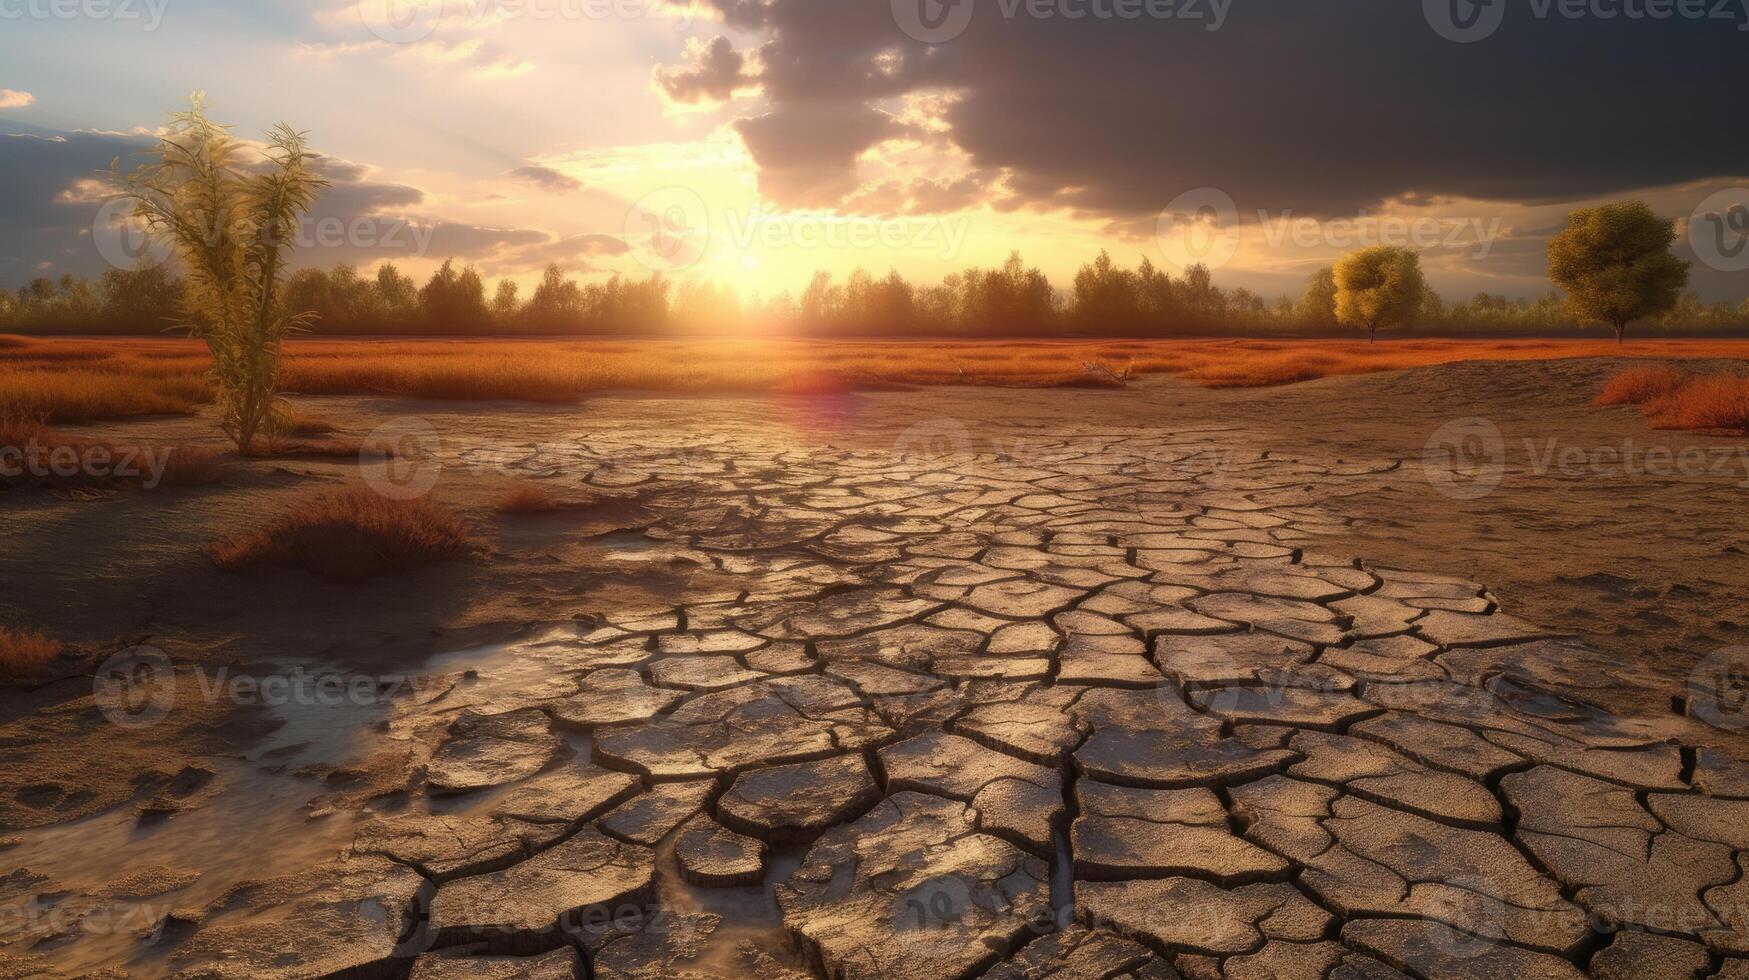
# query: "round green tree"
[1378,287]
[1615,264]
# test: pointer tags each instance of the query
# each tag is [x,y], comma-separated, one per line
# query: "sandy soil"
[1572,518]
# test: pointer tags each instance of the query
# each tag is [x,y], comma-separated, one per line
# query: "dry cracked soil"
[1157,683]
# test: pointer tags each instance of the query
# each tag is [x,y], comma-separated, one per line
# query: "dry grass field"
[1675,399]
[84,380]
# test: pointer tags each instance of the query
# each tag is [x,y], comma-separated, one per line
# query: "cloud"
[14,99]
[1316,108]
[57,185]
[547,178]
[712,73]
[573,253]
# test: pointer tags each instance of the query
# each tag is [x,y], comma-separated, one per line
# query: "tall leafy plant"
[233,222]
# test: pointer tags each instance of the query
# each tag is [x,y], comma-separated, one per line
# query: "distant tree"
[233,230]
[1378,287]
[146,299]
[396,295]
[1614,262]
[821,302]
[1107,300]
[1158,297]
[557,304]
[1203,302]
[505,304]
[1318,304]
[454,302]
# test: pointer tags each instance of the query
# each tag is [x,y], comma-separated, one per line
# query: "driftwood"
[1104,373]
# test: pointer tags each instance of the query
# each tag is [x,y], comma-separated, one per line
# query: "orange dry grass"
[25,655]
[351,535]
[99,463]
[527,499]
[73,380]
[1719,401]
[1640,385]
[1672,399]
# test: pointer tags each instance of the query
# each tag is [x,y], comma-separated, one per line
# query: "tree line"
[1011,300]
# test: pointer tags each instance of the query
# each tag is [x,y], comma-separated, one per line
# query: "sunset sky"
[769,138]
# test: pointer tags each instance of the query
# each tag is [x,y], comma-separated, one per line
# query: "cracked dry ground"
[1095,712]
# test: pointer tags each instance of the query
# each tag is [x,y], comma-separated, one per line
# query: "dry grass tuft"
[56,461]
[1638,386]
[528,499]
[191,467]
[1674,399]
[73,380]
[1719,401]
[351,535]
[24,656]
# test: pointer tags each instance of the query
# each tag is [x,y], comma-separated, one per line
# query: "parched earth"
[1097,701]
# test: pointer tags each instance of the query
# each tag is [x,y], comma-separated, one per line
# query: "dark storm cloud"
[52,196]
[1320,107]
[55,186]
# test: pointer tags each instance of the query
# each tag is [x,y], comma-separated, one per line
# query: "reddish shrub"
[25,655]
[350,535]
[1638,386]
